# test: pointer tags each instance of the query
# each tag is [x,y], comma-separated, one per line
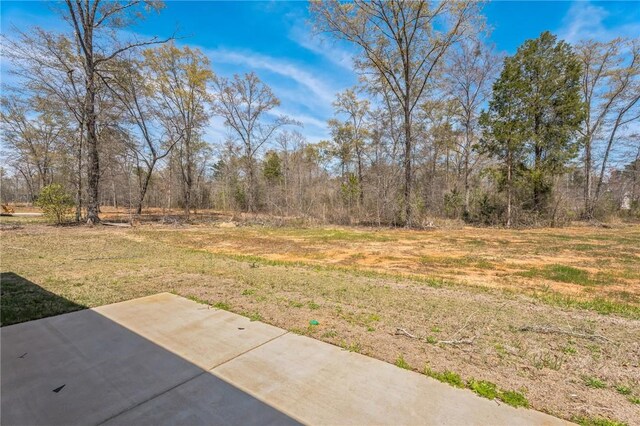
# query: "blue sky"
[305,72]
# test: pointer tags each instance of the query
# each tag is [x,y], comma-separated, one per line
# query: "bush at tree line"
[55,203]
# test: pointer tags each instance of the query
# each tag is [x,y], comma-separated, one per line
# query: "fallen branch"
[403,332]
[106,258]
[553,330]
[469,341]
[118,224]
[458,341]
[17,248]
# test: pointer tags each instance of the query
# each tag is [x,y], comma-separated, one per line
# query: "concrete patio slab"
[319,383]
[166,360]
[105,367]
[200,334]
[205,400]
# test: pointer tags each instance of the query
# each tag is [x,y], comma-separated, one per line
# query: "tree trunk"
[509,188]
[188,178]
[606,157]
[466,167]
[250,187]
[407,165]
[537,190]
[113,192]
[187,200]
[588,209]
[286,181]
[170,182]
[360,189]
[79,175]
[143,189]
[93,168]
[466,185]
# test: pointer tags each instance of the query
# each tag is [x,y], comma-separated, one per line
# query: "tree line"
[440,124]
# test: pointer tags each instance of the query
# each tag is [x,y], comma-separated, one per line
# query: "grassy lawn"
[467,299]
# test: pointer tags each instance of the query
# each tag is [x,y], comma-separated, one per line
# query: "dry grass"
[352,282]
[597,267]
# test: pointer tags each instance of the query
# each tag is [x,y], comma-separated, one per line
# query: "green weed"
[446,377]
[513,398]
[352,347]
[597,421]
[623,390]
[548,360]
[400,362]
[594,382]
[222,305]
[329,334]
[253,316]
[483,388]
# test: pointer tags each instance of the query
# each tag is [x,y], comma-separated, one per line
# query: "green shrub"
[55,203]
[453,203]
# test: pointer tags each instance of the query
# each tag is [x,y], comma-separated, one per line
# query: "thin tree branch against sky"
[389,96]
[373,164]
[306,71]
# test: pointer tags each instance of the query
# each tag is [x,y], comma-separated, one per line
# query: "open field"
[553,314]
[600,266]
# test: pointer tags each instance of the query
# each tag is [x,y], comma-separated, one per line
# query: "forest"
[440,126]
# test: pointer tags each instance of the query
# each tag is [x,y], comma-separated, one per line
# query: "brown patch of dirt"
[491,258]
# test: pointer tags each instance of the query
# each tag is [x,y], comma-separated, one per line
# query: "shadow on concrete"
[84,368]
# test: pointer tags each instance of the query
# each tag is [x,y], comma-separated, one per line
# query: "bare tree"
[34,140]
[608,74]
[347,103]
[403,42]
[470,73]
[626,81]
[142,104]
[180,78]
[47,63]
[244,102]
[94,23]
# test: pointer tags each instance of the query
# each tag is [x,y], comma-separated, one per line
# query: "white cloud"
[585,21]
[328,49]
[306,120]
[313,128]
[215,130]
[306,97]
[282,67]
